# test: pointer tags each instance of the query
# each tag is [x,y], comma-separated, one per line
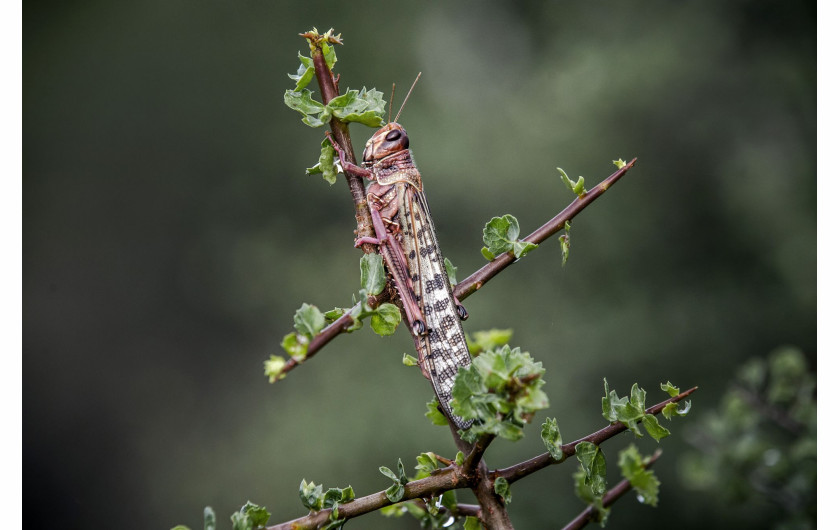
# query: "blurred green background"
[170,233]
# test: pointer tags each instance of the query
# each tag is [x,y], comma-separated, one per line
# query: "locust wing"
[443,349]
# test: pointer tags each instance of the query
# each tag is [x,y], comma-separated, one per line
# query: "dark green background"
[170,233]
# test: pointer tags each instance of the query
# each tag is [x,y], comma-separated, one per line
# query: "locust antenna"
[391,103]
[406,96]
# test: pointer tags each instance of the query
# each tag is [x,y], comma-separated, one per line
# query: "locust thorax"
[385,142]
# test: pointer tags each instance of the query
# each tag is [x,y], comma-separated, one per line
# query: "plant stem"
[328,84]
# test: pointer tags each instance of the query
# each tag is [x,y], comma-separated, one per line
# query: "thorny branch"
[481,482]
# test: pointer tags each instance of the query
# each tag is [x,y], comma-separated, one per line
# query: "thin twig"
[444,480]
[474,457]
[523,469]
[608,499]
[328,84]
[477,279]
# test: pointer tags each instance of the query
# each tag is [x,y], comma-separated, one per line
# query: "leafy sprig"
[630,411]
[501,235]
[501,391]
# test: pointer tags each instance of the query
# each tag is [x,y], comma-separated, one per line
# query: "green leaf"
[373,273]
[409,360]
[326,163]
[250,517]
[566,242]
[295,345]
[385,319]
[671,389]
[209,518]
[472,523]
[309,321]
[304,74]
[502,489]
[397,490]
[459,458]
[520,248]
[481,341]
[314,113]
[637,397]
[500,233]
[584,492]
[450,271]
[366,107]
[274,367]
[388,473]
[643,481]
[329,53]
[577,187]
[501,389]
[672,409]
[594,465]
[311,495]
[180,527]
[434,414]
[489,256]
[619,163]
[653,427]
[550,435]
[426,463]
[334,314]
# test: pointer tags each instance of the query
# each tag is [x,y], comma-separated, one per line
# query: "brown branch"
[608,499]
[477,279]
[474,456]
[328,84]
[523,469]
[444,480]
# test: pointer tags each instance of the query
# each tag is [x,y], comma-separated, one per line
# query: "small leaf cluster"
[315,498]
[482,341]
[361,106]
[644,482]
[760,443]
[501,391]
[501,234]
[630,411]
[396,491]
[550,435]
[309,320]
[577,187]
[591,478]
[429,512]
[249,517]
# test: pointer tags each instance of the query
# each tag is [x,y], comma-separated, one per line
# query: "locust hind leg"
[397,264]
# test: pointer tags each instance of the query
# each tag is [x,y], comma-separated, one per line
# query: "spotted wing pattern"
[443,348]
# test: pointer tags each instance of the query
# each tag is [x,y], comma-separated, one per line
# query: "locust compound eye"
[393,135]
[398,137]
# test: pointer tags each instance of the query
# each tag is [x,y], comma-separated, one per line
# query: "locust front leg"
[389,247]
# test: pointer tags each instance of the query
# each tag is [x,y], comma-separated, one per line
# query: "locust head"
[386,141]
